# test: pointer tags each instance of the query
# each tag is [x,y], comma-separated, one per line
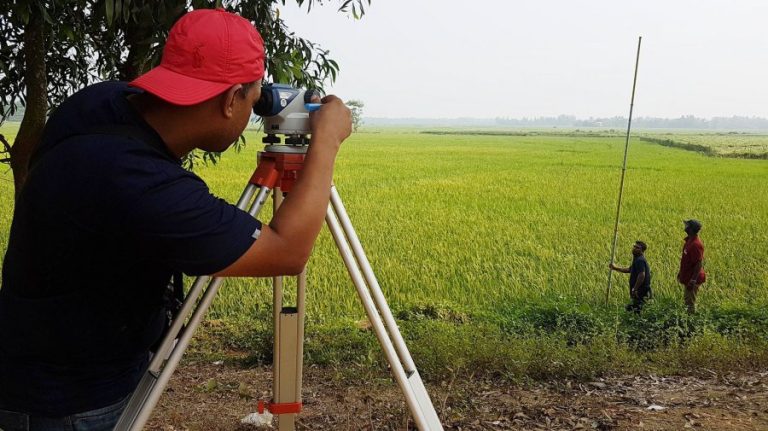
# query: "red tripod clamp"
[279,408]
[278,170]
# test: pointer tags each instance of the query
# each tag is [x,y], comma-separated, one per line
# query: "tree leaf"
[46,17]
[343,7]
[110,11]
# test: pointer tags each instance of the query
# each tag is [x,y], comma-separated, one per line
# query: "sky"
[517,58]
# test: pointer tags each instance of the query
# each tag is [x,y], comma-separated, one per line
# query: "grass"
[492,251]
[728,144]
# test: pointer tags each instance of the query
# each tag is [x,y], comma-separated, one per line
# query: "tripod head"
[285,111]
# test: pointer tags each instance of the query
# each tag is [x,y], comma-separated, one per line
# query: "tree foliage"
[65,46]
[85,41]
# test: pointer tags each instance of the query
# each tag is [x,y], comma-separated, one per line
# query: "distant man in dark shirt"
[691,274]
[639,277]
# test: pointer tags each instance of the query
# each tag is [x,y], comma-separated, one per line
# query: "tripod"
[277,170]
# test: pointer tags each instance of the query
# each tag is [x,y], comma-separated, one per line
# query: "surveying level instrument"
[285,111]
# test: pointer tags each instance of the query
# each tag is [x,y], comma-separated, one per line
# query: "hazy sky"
[496,58]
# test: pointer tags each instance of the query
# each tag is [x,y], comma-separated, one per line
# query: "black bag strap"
[122,130]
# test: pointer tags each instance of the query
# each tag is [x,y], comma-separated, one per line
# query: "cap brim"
[176,88]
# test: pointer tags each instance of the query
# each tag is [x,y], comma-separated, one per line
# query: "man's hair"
[643,246]
[247,87]
[693,225]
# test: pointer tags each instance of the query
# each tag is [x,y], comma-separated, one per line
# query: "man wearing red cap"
[108,217]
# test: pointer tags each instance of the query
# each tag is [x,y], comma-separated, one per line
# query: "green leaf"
[46,17]
[110,10]
[24,14]
[343,7]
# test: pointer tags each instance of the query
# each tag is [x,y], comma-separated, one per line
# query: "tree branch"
[6,150]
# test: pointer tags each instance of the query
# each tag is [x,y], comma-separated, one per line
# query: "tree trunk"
[137,39]
[36,83]
[138,36]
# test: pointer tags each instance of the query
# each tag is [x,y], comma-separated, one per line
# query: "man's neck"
[175,136]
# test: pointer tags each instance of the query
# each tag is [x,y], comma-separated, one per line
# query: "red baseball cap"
[207,51]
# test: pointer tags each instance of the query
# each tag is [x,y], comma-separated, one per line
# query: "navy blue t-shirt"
[100,226]
[639,264]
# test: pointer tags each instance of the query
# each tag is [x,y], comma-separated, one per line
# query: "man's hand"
[286,243]
[332,123]
[612,266]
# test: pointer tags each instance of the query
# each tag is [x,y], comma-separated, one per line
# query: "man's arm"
[695,274]
[284,246]
[618,268]
[696,252]
[638,282]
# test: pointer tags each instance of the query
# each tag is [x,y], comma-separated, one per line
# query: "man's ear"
[228,100]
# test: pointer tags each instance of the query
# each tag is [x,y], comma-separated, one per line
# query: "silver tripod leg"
[178,336]
[380,316]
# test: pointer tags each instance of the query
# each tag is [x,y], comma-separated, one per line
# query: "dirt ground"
[216,397]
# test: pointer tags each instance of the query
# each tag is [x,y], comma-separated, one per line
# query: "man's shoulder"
[640,262]
[103,89]
[95,105]
[101,145]
[695,243]
[121,163]
[91,104]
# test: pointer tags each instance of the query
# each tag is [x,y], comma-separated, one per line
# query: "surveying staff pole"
[623,171]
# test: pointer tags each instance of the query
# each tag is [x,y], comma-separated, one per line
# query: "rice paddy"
[479,221]
[480,228]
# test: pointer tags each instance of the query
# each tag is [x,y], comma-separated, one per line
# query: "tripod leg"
[178,336]
[370,278]
[407,376]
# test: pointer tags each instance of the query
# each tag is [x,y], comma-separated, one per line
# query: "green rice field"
[512,234]
[479,223]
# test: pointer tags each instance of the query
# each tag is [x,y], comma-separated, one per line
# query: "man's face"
[636,250]
[243,109]
[228,129]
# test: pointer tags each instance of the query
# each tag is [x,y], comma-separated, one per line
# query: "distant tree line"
[683,122]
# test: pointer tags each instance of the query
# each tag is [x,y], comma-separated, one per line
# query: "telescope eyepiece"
[264,106]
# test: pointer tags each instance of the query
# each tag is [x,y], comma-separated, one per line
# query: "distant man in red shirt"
[691,274]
